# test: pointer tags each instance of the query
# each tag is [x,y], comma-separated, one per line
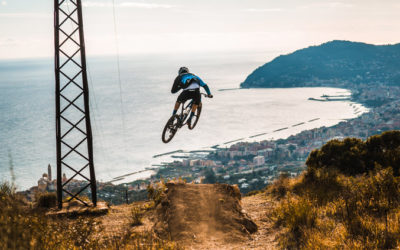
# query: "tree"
[210,177]
[384,149]
[291,148]
[353,156]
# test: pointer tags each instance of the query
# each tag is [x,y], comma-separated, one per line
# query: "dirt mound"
[201,213]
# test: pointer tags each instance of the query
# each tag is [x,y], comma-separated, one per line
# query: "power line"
[97,123]
[119,79]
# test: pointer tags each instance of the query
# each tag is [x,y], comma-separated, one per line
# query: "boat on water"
[327,99]
[315,99]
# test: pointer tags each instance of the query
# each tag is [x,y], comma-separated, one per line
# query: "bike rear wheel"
[195,118]
[170,129]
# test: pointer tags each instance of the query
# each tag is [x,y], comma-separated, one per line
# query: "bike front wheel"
[195,118]
[170,129]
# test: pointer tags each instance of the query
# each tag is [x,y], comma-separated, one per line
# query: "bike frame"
[184,114]
[181,120]
[189,109]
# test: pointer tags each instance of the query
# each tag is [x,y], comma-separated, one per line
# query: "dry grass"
[23,227]
[136,216]
[156,192]
[359,212]
[280,187]
[148,240]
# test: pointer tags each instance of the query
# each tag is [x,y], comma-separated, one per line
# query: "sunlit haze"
[162,26]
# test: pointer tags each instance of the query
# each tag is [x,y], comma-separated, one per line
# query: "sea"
[130,102]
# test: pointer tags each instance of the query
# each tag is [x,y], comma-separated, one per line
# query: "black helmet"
[183,70]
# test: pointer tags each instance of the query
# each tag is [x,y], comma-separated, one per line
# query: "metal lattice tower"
[73,128]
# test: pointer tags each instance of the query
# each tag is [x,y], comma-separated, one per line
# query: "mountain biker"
[190,84]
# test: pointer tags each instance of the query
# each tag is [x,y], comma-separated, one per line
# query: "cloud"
[4,3]
[96,4]
[7,42]
[339,5]
[25,15]
[264,10]
[129,5]
[332,5]
[146,5]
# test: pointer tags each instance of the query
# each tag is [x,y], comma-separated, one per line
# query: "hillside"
[196,217]
[193,217]
[335,63]
[347,198]
[178,216]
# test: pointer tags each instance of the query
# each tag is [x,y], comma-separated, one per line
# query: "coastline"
[252,164]
[192,154]
[357,101]
[259,107]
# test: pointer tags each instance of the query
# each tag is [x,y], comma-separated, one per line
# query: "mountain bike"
[177,121]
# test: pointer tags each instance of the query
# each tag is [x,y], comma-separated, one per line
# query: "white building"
[242,180]
[259,160]
[42,183]
[254,181]
[194,163]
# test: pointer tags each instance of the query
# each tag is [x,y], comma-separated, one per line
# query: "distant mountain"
[335,63]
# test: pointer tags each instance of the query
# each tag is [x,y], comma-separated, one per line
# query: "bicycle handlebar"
[205,95]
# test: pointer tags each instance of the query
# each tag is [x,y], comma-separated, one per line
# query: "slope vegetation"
[348,198]
[186,216]
[334,63]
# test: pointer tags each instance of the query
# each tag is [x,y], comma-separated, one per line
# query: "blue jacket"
[183,81]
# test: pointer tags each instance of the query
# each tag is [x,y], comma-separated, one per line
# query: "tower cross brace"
[74,140]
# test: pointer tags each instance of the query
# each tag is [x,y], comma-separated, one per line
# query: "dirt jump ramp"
[205,215]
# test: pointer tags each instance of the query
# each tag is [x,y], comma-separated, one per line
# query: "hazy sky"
[154,26]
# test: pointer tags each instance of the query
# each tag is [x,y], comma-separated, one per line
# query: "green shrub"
[347,156]
[322,185]
[348,198]
[136,216]
[353,156]
[296,215]
[155,192]
[47,200]
[364,211]
[280,187]
[6,190]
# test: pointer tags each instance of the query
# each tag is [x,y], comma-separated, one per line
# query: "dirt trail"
[200,217]
[259,208]
[203,216]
